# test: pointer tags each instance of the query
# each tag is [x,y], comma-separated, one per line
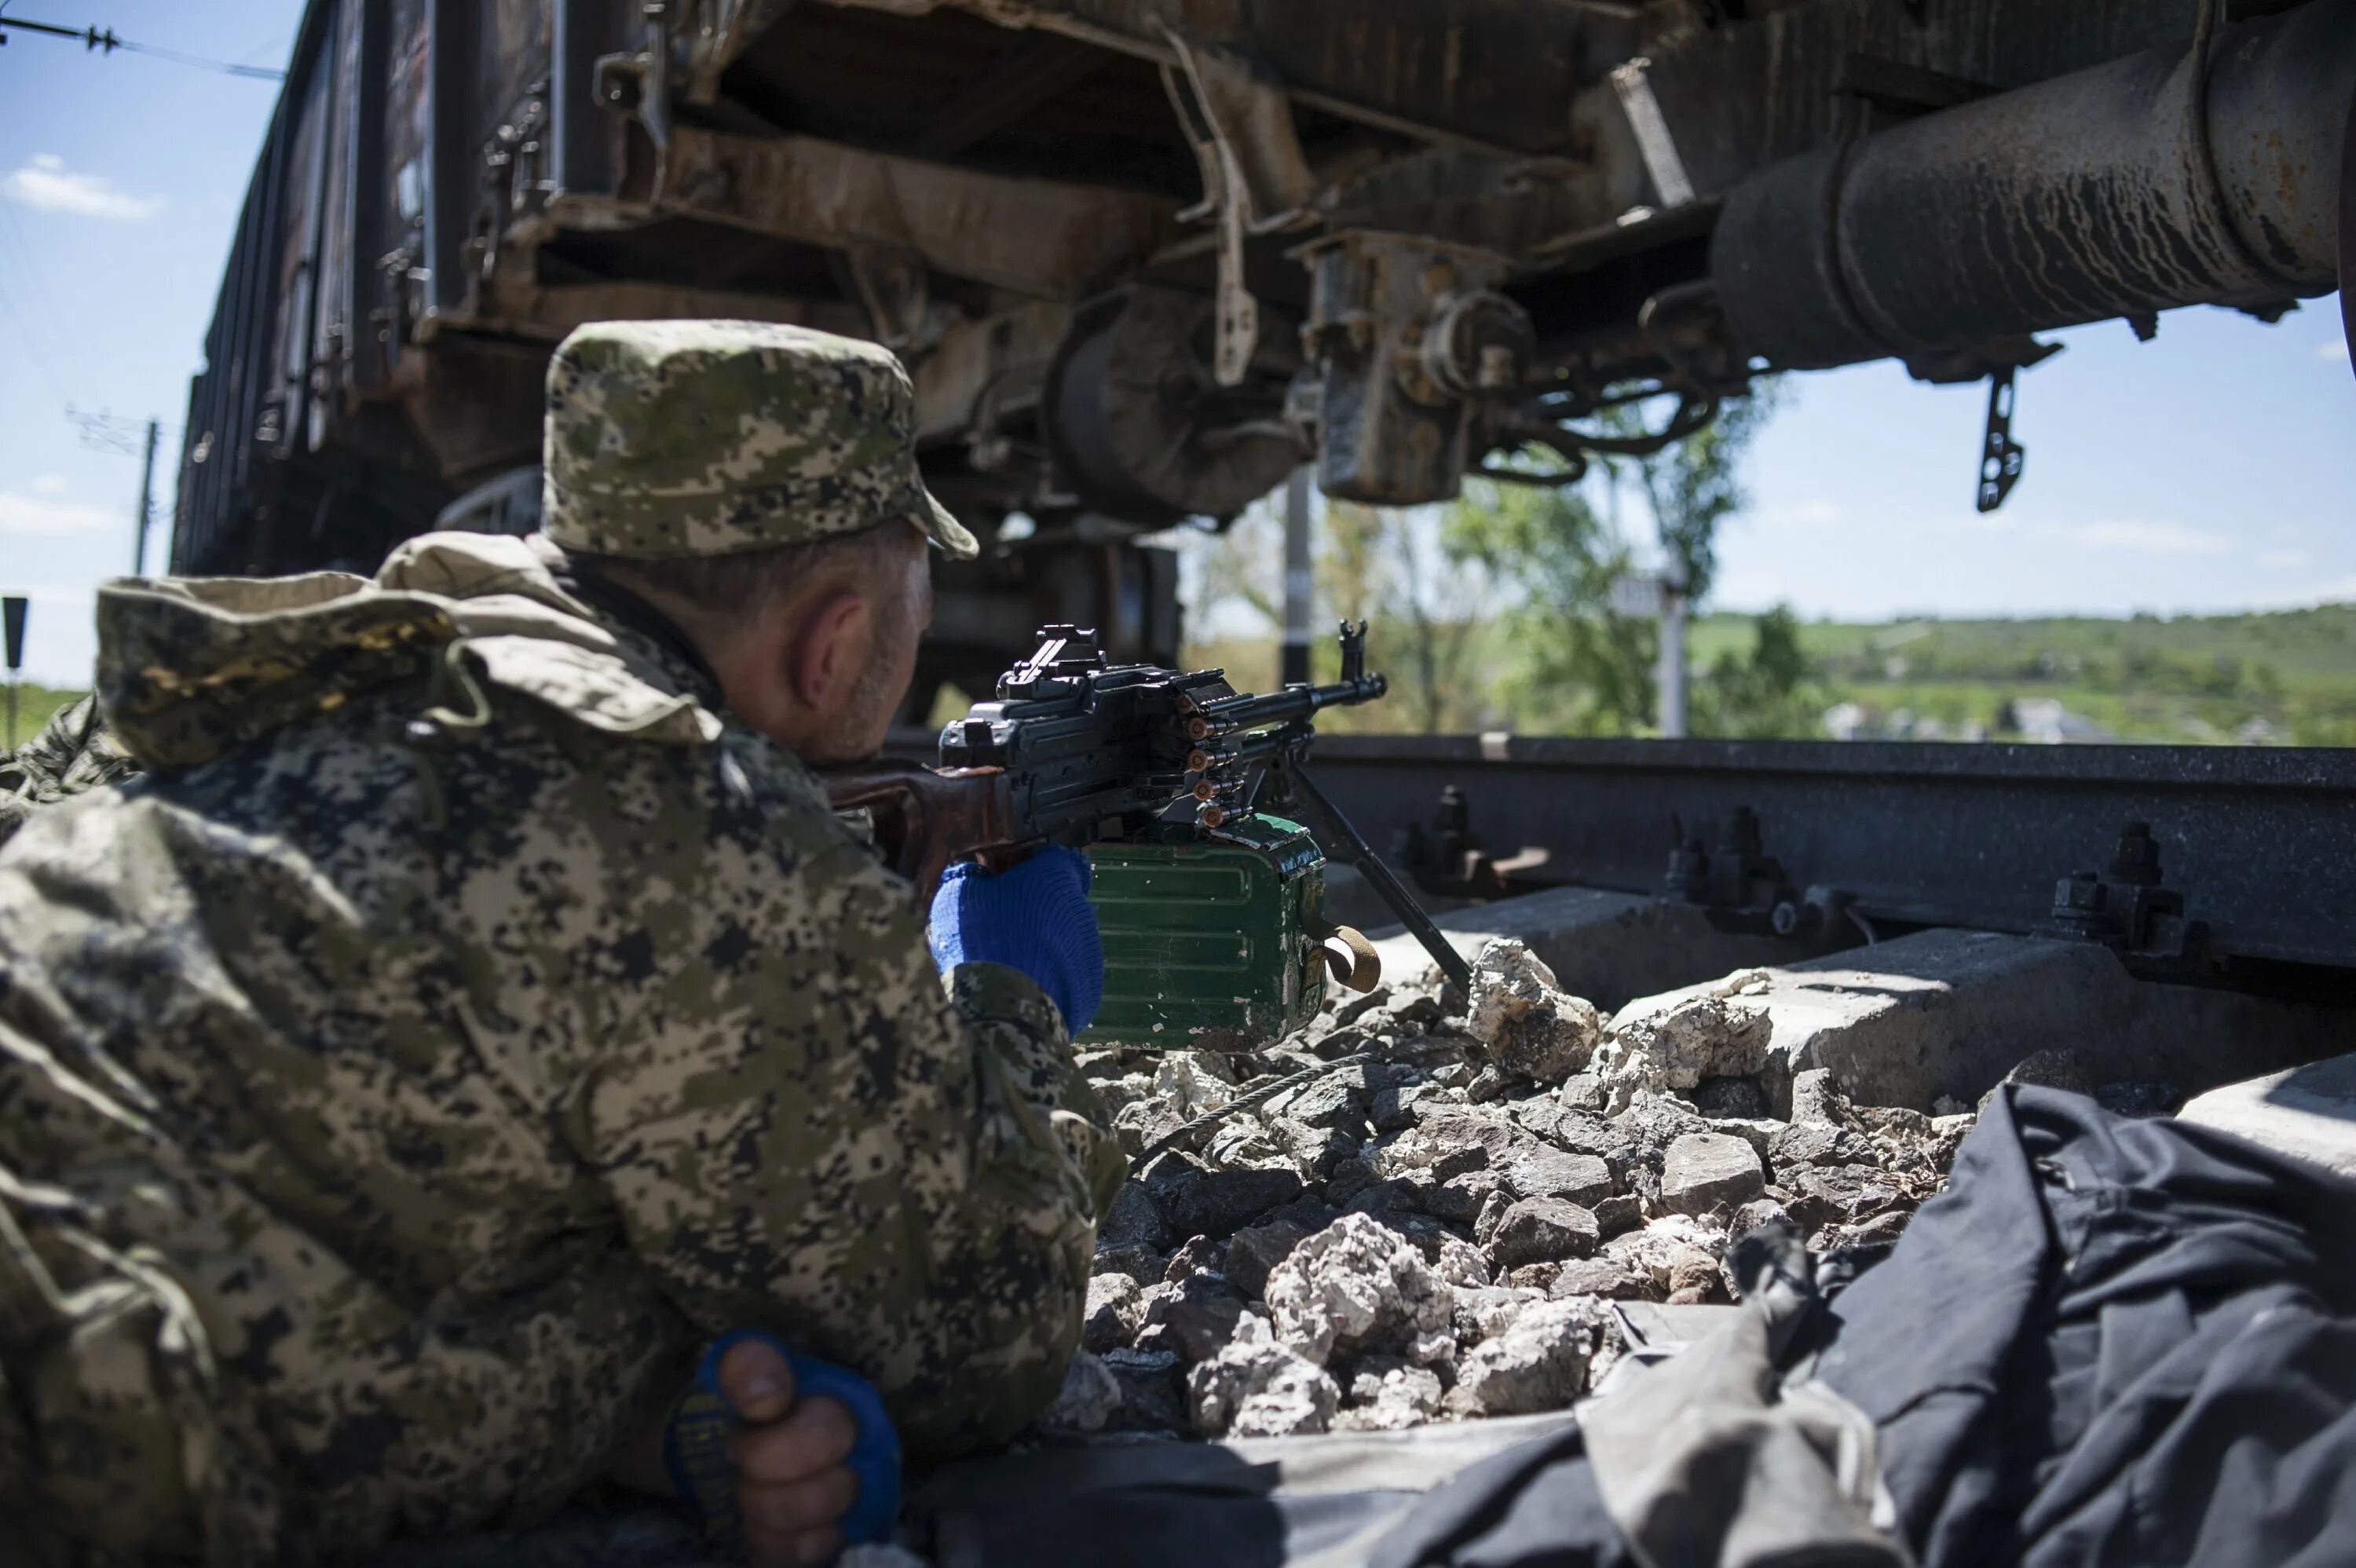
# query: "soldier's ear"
[830,649]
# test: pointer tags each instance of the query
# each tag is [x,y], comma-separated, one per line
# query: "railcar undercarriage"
[1143,260]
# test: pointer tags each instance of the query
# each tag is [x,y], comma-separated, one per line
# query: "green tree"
[1436,610]
[1348,549]
[1693,485]
[1242,563]
[1583,667]
[1381,566]
[1764,694]
[1385,567]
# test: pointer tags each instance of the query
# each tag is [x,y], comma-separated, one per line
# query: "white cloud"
[48,484]
[44,181]
[2153,539]
[39,514]
[2282,560]
[2332,351]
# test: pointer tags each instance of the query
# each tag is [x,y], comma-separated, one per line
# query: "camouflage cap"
[680,438]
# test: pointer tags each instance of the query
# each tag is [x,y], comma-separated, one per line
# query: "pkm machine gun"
[1208,836]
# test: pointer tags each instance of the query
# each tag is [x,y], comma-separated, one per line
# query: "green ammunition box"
[1208,941]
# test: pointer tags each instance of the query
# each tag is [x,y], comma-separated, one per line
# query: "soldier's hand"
[792,1485]
[1034,917]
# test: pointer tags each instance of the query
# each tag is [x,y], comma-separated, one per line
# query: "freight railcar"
[1146,259]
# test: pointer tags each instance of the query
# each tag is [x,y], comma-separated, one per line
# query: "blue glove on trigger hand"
[695,1445]
[1034,917]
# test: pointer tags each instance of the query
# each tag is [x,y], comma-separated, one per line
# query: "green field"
[2286,677]
[35,704]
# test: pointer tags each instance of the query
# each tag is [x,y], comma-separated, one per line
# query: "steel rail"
[2260,842]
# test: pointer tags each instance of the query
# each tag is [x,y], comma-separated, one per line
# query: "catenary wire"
[104,41]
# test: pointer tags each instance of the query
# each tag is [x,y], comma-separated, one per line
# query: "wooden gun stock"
[926,817]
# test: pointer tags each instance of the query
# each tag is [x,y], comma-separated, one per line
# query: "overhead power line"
[104,41]
[104,432]
[226,67]
[107,433]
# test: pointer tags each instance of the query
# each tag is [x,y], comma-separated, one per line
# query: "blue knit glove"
[695,1445]
[1035,918]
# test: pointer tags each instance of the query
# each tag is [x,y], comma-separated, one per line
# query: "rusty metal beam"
[715,34]
[1735,100]
[1034,71]
[549,312]
[1040,237]
[980,369]
[985,369]
[1741,96]
[1478,75]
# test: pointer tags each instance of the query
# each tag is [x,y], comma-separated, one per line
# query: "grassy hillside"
[2287,677]
[35,704]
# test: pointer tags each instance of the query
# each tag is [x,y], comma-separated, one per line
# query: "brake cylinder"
[2142,185]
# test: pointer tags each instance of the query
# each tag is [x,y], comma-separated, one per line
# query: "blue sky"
[120,181]
[2212,469]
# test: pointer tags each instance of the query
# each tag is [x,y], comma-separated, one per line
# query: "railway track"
[2222,866]
[2213,866]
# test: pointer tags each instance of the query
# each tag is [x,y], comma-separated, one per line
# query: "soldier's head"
[759,485]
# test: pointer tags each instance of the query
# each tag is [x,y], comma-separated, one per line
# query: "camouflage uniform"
[74,753]
[463,1019]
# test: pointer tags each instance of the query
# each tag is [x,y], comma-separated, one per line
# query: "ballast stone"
[1255,1251]
[1705,1171]
[1114,1313]
[1089,1396]
[1194,1316]
[1390,1396]
[1543,1229]
[1257,1387]
[1429,1174]
[1543,1361]
[1198,1200]
[1530,1027]
[1534,1170]
[1356,1284]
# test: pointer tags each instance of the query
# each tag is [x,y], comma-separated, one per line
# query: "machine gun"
[1207,835]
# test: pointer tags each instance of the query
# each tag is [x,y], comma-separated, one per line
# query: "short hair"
[726,591]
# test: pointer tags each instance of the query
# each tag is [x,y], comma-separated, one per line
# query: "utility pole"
[104,432]
[1672,671]
[147,504]
[12,612]
[1300,580]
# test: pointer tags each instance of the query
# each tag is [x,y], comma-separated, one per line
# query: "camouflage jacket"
[458,1023]
[74,753]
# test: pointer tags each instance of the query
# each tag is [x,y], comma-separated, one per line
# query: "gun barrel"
[1255,712]
[1247,750]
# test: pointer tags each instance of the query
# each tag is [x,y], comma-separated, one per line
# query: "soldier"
[72,753]
[476,1008]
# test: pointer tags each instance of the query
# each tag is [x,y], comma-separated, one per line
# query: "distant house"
[2042,721]
[1845,722]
